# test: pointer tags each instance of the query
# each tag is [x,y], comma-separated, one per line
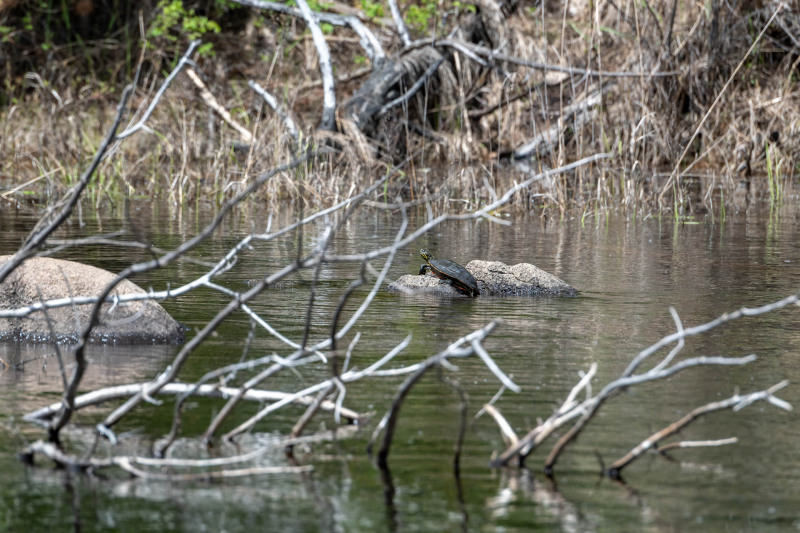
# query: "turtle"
[455,274]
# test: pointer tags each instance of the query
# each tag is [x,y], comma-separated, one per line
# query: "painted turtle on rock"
[450,271]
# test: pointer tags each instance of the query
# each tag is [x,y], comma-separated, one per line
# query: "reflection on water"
[628,274]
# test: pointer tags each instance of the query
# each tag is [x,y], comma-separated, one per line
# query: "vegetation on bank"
[694,102]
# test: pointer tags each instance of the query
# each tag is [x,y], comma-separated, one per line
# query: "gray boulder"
[494,279]
[42,278]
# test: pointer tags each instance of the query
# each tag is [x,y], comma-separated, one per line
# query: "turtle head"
[425,254]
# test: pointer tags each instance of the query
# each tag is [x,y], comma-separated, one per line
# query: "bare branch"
[509,435]
[184,60]
[328,121]
[127,463]
[400,25]
[212,102]
[696,444]
[702,328]
[287,121]
[734,402]
[99,396]
[463,347]
[590,407]
[371,45]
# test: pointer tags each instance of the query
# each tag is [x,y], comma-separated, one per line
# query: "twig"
[212,102]
[287,121]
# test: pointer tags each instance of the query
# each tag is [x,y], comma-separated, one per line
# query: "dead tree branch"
[371,45]
[584,411]
[287,121]
[463,347]
[160,262]
[735,402]
[141,123]
[100,396]
[328,121]
[212,102]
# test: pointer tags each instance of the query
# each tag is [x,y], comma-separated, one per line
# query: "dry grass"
[463,128]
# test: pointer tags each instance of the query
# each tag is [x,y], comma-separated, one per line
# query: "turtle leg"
[424,269]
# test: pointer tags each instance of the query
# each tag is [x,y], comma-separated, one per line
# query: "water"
[628,274]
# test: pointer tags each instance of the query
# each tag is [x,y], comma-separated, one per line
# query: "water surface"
[628,273]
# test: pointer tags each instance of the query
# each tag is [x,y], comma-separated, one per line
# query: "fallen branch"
[212,102]
[133,464]
[44,414]
[735,402]
[584,411]
[695,444]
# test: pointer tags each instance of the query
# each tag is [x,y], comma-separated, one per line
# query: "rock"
[43,278]
[494,279]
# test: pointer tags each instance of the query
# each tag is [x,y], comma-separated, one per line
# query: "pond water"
[628,273]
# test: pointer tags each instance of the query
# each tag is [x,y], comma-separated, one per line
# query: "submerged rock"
[495,278]
[43,278]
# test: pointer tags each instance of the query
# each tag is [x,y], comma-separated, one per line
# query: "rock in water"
[44,278]
[494,279]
